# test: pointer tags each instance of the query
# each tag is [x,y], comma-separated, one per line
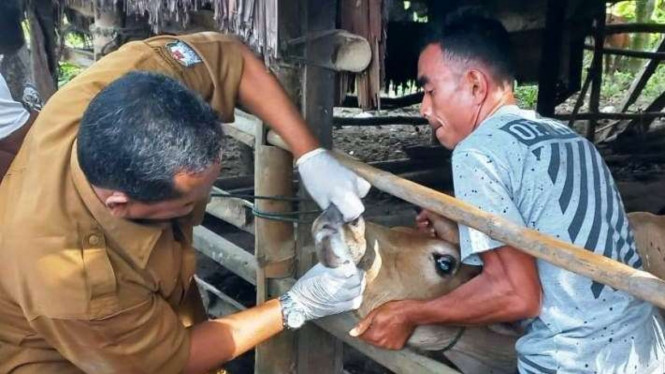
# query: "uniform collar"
[135,240]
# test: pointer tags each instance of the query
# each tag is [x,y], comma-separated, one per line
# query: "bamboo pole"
[638,283]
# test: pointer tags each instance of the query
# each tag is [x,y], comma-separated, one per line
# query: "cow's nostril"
[444,264]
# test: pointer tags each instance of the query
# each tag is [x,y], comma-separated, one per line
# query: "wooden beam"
[622,28]
[642,78]
[78,56]
[638,283]
[233,210]
[596,70]
[550,56]
[379,121]
[225,253]
[629,52]
[351,101]
[227,305]
[601,115]
[404,361]
[580,98]
[333,49]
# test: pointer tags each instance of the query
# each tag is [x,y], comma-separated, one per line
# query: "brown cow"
[402,263]
[616,41]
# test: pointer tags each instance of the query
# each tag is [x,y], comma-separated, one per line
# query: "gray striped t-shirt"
[542,175]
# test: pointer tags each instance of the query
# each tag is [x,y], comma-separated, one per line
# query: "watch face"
[295,319]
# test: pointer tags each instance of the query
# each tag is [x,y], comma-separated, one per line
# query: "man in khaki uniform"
[97,209]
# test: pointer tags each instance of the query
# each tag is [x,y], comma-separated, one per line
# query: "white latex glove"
[328,181]
[325,291]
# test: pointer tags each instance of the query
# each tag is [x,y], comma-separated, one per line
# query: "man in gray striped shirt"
[544,176]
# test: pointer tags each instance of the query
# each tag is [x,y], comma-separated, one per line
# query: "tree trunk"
[643,11]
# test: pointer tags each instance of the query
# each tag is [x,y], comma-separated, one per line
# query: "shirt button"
[94,239]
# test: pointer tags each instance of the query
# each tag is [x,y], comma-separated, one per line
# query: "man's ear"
[117,202]
[478,84]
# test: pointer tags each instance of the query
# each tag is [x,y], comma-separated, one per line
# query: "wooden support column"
[318,351]
[596,70]
[275,240]
[274,250]
[550,57]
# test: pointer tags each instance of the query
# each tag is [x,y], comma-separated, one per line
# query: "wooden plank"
[77,56]
[237,134]
[226,253]
[233,210]
[404,361]
[225,304]
[565,255]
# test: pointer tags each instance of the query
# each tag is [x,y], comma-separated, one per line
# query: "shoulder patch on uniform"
[183,53]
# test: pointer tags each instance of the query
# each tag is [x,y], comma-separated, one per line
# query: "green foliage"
[656,84]
[615,85]
[527,95]
[66,72]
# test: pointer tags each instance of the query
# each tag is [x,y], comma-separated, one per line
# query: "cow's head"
[399,263]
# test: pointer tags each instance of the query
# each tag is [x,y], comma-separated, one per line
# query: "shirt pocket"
[100,275]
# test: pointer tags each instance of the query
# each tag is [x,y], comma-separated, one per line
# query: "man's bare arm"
[217,341]
[508,289]
[261,93]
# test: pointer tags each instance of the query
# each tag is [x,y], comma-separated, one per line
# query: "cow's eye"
[444,264]
[355,221]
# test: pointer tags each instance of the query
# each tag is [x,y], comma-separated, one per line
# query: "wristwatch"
[293,316]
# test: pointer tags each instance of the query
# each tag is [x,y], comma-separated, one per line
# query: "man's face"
[193,188]
[448,102]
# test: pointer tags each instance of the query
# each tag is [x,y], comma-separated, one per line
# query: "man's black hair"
[11,33]
[469,34]
[142,130]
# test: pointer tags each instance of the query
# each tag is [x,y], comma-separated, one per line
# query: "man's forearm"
[477,302]
[217,341]
[261,93]
[508,289]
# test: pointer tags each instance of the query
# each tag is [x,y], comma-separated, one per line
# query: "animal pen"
[318,50]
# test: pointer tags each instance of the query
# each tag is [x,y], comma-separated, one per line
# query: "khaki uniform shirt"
[81,290]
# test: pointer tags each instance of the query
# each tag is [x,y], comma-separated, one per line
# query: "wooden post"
[318,351]
[108,18]
[596,70]
[275,240]
[550,57]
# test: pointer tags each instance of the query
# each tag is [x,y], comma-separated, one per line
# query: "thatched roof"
[253,20]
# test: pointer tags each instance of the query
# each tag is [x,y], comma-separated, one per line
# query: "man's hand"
[325,291]
[329,182]
[387,326]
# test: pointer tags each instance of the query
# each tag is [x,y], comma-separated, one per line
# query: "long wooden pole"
[620,276]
